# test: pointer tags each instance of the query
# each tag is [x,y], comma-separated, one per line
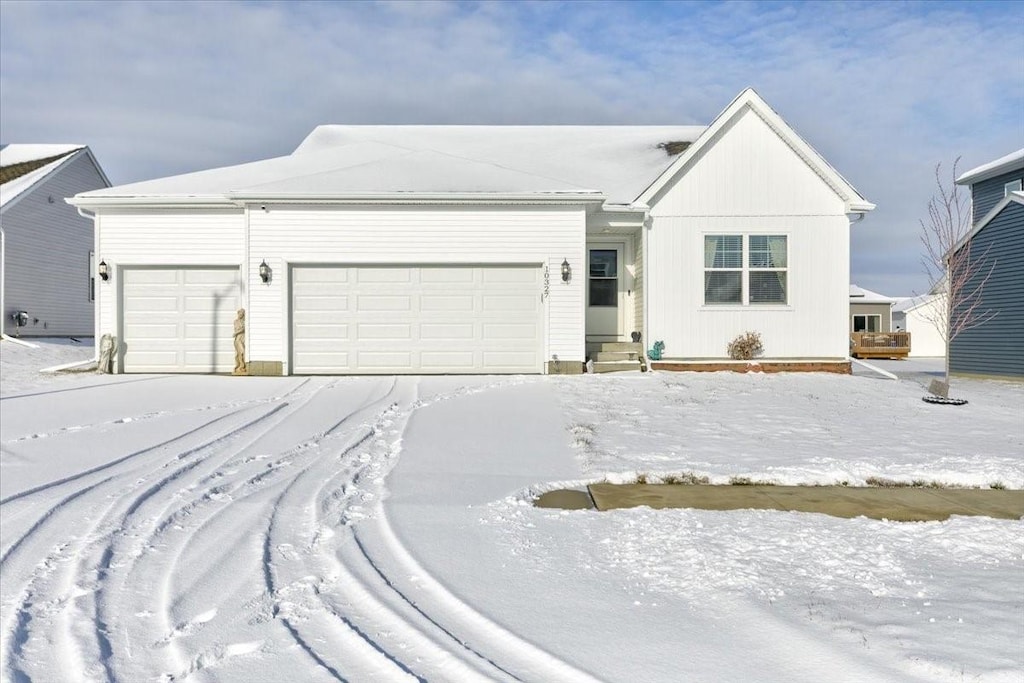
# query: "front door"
[604,292]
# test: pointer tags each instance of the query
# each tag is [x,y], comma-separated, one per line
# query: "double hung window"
[745,269]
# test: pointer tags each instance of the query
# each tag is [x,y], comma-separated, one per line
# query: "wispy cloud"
[883,90]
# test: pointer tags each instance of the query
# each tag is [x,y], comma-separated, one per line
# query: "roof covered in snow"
[1010,162]
[909,303]
[22,166]
[859,295]
[614,163]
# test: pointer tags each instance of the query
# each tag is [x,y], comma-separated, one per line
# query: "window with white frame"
[745,269]
[1013,186]
[867,323]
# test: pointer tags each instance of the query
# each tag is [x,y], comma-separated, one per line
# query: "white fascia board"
[422,198]
[151,201]
[26,191]
[859,207]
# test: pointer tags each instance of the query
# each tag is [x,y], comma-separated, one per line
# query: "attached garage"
[179,319]
[422,319]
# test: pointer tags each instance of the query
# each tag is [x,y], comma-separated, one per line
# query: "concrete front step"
[623,347]
[616,365]
[617,355]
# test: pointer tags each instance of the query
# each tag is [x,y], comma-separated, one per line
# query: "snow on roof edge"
[999,166]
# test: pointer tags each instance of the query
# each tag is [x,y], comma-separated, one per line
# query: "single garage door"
[179,319]
[423,319]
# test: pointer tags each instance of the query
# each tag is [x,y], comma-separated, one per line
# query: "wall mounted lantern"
[104,271]
[566,271]
[264,272]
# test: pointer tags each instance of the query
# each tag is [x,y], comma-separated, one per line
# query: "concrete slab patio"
[897,504]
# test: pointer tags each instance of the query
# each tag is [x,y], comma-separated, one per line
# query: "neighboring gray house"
[47,268]
[869,311]
[993,349]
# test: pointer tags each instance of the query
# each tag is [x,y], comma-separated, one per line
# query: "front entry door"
[604,292]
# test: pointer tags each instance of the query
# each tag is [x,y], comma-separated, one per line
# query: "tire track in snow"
[12,637]
[208,504]
[360,590]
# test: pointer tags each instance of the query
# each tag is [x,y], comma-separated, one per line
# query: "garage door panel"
[509,275]
[446,332]
[372,303]
[505,302]
[446,302]
[366,275]
[151,276]
[445,361]
[389,360]
[375,332]
[423,319]
[440,275]
[501,332]
[179,319]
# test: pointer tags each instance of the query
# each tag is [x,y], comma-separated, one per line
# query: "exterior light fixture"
[264,272]
[566,271]
[104,271]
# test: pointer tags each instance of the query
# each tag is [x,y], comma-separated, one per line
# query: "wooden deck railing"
[879,344]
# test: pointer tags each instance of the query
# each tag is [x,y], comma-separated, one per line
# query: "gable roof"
[1010,162]
[859,295]
[24,166]
[611,163]
[911,303]
[1011,198]
[749,99]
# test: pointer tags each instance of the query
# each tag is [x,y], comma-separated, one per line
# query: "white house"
[484,249]
[47,270]
[923,317]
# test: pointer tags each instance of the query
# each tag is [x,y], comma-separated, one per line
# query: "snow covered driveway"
[203,528]
[156,527]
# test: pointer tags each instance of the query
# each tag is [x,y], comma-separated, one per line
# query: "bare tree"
[956,270]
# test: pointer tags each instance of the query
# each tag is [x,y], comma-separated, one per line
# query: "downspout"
[644,329]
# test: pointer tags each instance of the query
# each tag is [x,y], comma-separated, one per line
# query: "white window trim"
[853,324]
[745,269]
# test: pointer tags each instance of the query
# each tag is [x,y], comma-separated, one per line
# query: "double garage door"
[422,319]
[179,319]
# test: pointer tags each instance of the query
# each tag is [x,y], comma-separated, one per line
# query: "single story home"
[47,264]
[924,318]
[485,249]
[870,311]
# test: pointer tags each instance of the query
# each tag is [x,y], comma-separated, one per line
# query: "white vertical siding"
[749,181]
[47,246]
[288,236]
[167,237]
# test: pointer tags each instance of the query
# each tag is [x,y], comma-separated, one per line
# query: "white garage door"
[179,319]
[424,319]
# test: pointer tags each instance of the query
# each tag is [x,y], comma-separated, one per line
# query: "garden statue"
[240,368]
[107,344]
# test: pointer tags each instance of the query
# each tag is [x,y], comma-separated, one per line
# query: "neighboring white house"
[919,316]
[47,270]
[479,249]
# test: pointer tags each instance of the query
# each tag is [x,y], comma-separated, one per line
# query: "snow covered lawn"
[267,529]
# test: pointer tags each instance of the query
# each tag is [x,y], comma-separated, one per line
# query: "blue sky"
[883,90]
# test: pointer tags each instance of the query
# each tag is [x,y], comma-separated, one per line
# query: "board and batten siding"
[287,236]
[163,237]
[986,194]
[47,245]
[749,182]
[994,348]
